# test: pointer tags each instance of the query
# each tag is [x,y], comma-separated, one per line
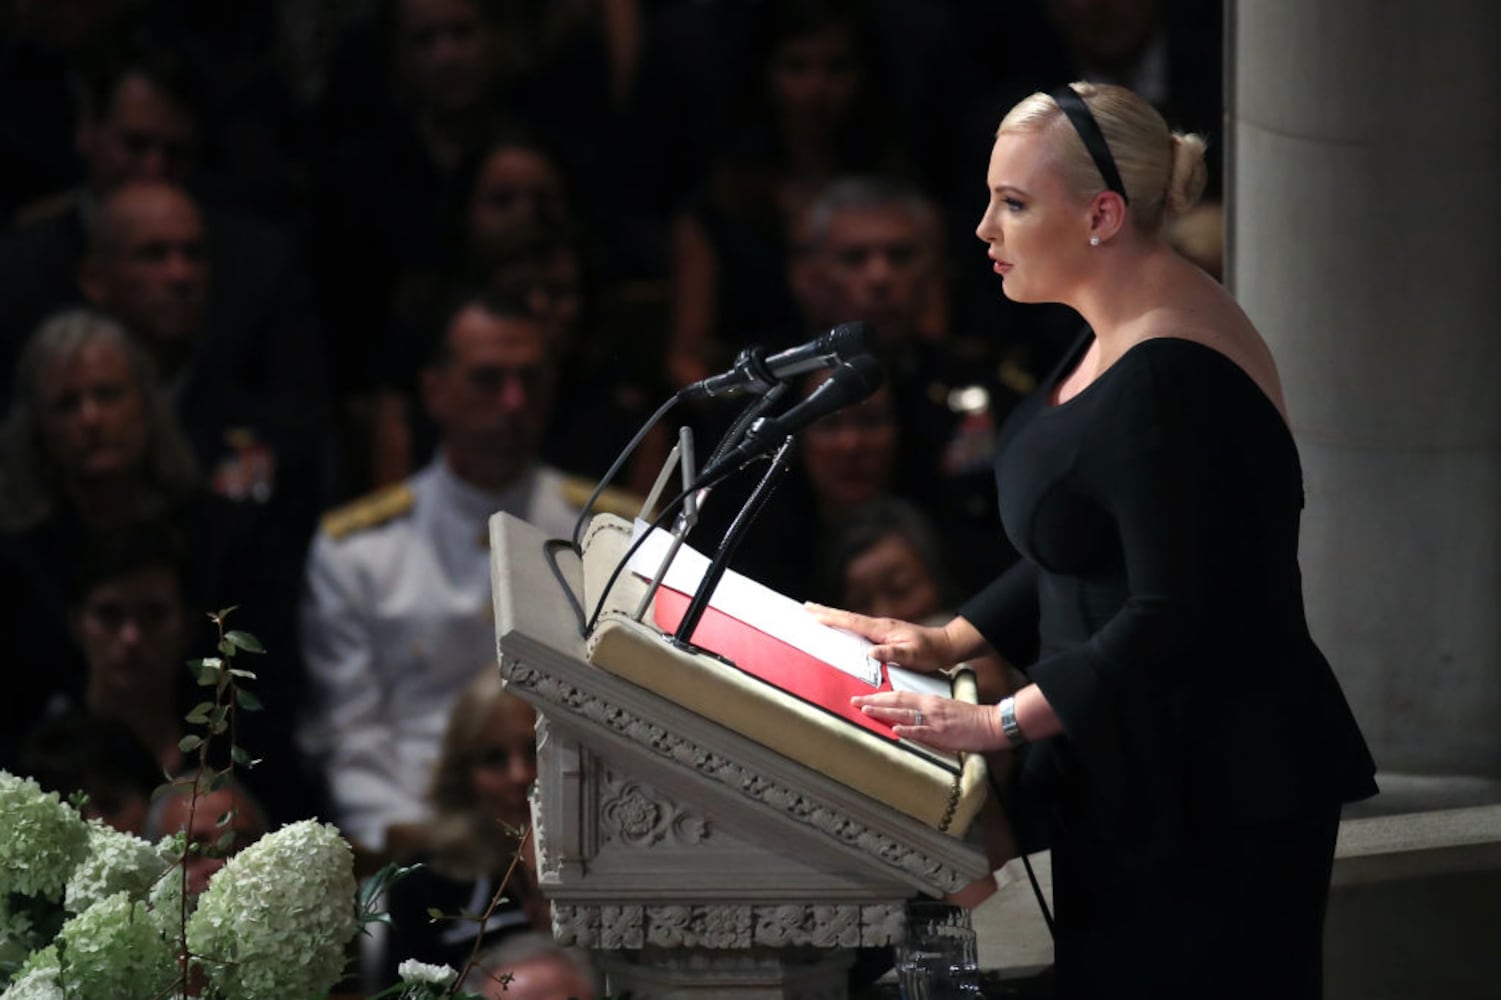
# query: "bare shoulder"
[1207,314]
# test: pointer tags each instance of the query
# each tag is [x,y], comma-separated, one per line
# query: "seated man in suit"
[396,617]
[139,122]
[872,253]
[246,397]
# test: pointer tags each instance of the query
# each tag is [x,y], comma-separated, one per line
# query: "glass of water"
[938,959]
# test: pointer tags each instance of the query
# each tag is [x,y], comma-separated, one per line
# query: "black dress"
[1192,800]
[415,934]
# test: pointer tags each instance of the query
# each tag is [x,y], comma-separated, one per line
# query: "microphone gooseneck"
[756,372]
[853,381]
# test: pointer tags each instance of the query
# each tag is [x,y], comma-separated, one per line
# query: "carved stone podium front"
[690,859]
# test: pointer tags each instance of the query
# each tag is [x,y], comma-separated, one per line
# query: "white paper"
[758,606]
[903,679]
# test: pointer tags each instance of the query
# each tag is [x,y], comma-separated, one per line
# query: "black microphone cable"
[615,467]
[657,522]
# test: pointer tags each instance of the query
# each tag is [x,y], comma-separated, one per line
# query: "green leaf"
[219,780]
[377,918]
[200,712]
[248,675]
[247,701]
[245,641]
[224,820]
[226,839]
[434,915]
[190,743]
[376,884]
[240,757]
[206,671]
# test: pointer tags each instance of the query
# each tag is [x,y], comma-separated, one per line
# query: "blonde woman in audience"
[479,841]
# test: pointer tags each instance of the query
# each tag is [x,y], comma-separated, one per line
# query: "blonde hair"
[31,483]
[467,842]
[1163,171]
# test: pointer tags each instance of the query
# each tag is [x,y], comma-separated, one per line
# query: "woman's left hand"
[937,722]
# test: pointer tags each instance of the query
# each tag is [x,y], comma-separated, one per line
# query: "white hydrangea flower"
[113,949]
[44,839]
[37,979]
[274,921]
[116,862]
[165,900]
[413,971]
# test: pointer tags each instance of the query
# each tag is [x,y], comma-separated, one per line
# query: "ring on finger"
[916,717]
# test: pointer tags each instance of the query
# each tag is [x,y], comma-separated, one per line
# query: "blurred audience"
[140,124]
[246,397]
[396,615]
[128,612]
[873,251]
[44,62]
[440,89]
[886,562]
[90,448]
[99,756]
[811,107]
[91,452]
[533,967]
[843,462]
[478,842]
[193,807]
[518,237]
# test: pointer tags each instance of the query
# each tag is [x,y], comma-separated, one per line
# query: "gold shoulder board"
[612,499]
[368,511]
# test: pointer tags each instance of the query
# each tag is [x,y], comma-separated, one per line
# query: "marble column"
[1364,240]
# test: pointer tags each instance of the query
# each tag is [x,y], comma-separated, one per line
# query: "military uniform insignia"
[368,511]
[612,499]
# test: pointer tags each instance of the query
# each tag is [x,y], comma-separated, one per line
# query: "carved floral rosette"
[637,815]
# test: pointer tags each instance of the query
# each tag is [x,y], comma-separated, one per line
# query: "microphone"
[754,373]
[853,381]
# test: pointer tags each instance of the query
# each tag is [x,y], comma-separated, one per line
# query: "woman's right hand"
[917,647]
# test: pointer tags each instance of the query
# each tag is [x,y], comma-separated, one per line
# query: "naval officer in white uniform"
[396,617]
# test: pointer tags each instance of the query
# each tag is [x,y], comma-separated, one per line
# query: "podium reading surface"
[773,694]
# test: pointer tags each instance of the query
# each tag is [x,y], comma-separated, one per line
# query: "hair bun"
[1188,174]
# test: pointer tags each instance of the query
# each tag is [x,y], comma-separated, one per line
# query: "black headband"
[1094,140]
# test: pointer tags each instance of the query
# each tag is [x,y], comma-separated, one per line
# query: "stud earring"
[1094,241]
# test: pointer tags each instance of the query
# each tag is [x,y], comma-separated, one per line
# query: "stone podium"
[691,859]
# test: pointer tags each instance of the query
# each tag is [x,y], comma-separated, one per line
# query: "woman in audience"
[90,448]
[479,842]
[90,452]
[885,562]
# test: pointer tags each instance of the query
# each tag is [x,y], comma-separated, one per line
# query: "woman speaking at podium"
[1184,748]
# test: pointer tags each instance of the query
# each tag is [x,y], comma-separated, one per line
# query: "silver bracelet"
[1014,735]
